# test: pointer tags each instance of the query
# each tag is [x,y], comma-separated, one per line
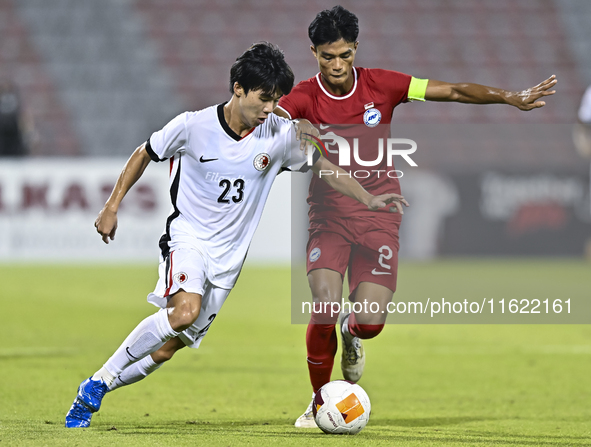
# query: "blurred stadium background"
[96,78]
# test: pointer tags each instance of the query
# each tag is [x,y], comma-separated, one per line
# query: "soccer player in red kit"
[348,102]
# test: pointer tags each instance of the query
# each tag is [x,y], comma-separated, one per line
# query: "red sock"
[363,331]
[321,343]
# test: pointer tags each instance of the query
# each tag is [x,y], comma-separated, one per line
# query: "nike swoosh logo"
[324,126]
[130,354]
[205,160]
[119,378]
[374,272]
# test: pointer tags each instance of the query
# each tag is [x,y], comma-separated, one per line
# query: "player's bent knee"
[183,318]
[326,286]
[184,310]
[326,293]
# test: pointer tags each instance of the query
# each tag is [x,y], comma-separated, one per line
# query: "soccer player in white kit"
[223,161]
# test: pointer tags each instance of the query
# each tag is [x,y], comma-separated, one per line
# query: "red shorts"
[368,247]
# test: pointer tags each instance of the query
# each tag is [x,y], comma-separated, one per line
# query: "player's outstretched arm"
[527,99]
[106,222]
[342,182]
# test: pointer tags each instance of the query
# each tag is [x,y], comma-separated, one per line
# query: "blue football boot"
[91,393]
[79,415]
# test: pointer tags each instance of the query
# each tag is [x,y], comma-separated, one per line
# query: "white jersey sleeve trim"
[288,114]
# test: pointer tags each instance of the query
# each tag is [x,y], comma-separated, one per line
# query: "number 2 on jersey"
[227,185]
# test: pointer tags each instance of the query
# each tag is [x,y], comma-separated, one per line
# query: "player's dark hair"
[333,24]
[262,67]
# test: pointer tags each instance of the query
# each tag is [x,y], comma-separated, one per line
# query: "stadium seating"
[94,71]
[21,63]
[104,70]
[505,43]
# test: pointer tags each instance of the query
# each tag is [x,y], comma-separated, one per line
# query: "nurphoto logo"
[331,143]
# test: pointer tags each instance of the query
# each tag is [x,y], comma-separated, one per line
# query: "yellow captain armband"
[417,89]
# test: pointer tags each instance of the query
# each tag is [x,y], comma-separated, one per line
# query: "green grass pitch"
[430,385]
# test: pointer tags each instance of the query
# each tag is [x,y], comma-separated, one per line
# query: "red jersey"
[362,117]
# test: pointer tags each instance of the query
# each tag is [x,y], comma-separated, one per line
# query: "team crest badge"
[372,117]
[315,254]
[181,277]
[261,162]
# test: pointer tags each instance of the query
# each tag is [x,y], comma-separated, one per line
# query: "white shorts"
[186,269]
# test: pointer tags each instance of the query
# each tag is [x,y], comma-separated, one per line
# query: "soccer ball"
[341,407]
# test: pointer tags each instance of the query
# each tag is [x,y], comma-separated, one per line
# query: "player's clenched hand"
[304,132]
[106,224]
[394,200]
[528,99]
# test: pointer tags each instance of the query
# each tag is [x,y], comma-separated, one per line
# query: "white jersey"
[219,183]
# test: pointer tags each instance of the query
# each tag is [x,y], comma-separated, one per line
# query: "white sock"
[147,337]
[104,375]
[135,372]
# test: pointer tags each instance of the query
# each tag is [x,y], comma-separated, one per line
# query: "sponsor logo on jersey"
[372,117]
[181,277]
[315,254]
[261,162]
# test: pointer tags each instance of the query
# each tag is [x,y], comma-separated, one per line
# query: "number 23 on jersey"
[227,191]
